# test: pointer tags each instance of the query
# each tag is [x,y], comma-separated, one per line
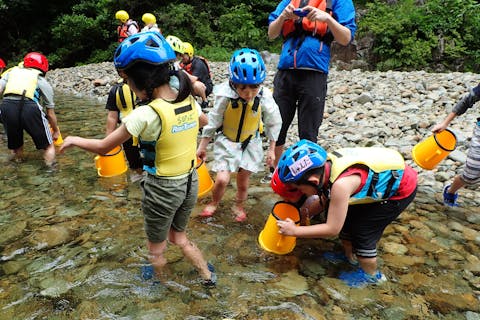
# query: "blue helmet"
[150,47]
[247,67]
[299,159]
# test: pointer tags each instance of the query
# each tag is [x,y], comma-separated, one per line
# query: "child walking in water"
[242,109]
[167,129]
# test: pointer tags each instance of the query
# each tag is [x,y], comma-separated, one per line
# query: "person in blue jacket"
[308,29]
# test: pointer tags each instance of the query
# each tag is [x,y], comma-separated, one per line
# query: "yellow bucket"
[111,164]
[58,142]
[269,238]
[205,182]
[429,152]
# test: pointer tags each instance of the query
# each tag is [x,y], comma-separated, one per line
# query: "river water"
[72,245]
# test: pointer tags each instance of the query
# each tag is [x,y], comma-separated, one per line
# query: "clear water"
[72,244]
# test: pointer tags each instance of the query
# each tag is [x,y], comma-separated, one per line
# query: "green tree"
[428,36]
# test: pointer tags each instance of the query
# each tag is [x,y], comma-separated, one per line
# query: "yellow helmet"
[148,18]
[175,43]
[188,49]
[122,15]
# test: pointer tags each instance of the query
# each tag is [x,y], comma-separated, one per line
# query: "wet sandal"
[208,211]
[239,214]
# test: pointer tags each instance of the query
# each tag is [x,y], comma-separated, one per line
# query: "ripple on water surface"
[72,246]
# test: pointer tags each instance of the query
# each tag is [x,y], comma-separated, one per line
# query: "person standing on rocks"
[150,23]
[167,127]
[23,89]
[197,66]
[471,172]
[120,103]
[241,110]
[308,28]
[127,26]
[367,189]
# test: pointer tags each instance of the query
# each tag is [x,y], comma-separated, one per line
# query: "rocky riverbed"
[77,255]
[363,108]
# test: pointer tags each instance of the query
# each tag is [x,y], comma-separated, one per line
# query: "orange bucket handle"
[199,164]
[120,148]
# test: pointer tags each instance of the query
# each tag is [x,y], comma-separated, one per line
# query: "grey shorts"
[471,172]
[167,204]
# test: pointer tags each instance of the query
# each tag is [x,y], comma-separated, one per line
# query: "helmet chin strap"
[322,187]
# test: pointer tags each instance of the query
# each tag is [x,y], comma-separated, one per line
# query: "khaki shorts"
[167,204]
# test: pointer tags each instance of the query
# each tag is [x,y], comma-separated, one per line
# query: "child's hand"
[67,143]
[287,227]
[202,153]
[55,135]
[439,127]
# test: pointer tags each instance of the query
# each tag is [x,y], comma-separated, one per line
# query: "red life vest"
[123,30]
[188,67]
[303,24]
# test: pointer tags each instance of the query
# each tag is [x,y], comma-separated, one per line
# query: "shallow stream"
[72,245]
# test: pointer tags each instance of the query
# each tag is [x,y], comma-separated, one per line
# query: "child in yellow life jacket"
[167,129]
[367,188]
[242,107]
[120,102]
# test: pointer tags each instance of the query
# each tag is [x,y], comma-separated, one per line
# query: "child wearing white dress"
[243,109]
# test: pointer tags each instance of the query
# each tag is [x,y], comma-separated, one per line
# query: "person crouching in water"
[367,188]
[241,108]
[167,129]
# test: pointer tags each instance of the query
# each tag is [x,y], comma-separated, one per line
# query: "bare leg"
[191,252]
[155,256]
[221,181]
[457,184]
[278,154]
[199,90]
[348,250]
[17,154]
[49,155]
[243,178]
[369,265]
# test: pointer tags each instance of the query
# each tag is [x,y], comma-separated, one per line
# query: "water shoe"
[449,199]
[212,282]
[147,271]
[360,279]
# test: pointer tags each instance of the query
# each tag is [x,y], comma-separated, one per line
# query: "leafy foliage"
[408,34]
[437,34]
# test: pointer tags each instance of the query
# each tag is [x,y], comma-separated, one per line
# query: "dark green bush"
[437,34]
[407,35]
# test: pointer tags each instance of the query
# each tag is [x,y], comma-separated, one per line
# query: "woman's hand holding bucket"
[286,227]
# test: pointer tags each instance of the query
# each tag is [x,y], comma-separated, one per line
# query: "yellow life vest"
[174,153]
[385,171]
[22,81]
[241,120]
[125,100]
